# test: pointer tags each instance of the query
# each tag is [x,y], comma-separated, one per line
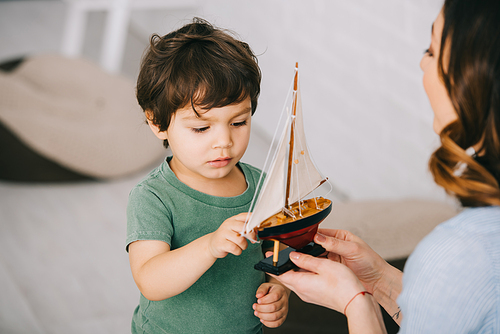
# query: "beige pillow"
[74,113]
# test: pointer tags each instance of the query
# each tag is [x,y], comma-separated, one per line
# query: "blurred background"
[369,121]
[63,265]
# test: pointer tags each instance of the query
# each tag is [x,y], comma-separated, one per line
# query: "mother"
[451,282]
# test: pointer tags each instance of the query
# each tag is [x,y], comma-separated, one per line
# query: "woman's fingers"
[307,262]
[333,245]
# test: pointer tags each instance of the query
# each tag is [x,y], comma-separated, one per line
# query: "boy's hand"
[272,304]
[227,238]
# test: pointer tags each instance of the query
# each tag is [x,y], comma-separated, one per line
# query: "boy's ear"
[156,130]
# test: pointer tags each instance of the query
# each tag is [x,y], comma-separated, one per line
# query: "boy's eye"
[237,124]
[200,130]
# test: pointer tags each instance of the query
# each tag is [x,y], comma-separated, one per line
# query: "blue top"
[451,282]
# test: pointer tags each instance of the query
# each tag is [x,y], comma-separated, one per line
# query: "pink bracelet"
[359,293]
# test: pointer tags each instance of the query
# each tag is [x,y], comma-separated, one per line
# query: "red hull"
[296,234]
[296,239]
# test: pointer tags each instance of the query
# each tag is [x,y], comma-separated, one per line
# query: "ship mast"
[290,156]
[292,135]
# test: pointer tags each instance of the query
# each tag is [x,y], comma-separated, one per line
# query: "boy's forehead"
[236,109]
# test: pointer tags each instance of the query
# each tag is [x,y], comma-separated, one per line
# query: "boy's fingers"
[242,216]
[262,290]
[275,294]
[272,318]
[272,324]
[269,307]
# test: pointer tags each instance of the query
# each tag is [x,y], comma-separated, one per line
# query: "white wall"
[370,123]
[368,119]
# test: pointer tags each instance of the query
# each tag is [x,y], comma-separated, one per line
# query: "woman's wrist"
[387,289]
[363,315]
[362,293]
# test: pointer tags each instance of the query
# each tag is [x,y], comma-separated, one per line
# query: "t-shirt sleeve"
[148,218]
[446,285]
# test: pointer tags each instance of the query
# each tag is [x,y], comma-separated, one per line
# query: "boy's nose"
[227,144]
[223,141]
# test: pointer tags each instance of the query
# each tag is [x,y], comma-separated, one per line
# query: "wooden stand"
[284,263]
[276,252]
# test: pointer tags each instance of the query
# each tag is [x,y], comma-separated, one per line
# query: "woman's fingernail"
[294,255]
[320,237]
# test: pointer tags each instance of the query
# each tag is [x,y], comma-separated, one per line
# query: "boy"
[198,87]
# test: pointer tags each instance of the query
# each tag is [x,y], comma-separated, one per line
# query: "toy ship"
[282,212]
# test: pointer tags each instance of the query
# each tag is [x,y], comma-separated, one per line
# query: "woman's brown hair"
[197,65]
[471,42]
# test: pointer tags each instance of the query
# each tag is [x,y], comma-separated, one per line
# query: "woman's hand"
[377,276]
[333,285]
[321,281]
[346,248]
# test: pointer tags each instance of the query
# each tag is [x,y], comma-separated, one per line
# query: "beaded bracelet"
[359,293]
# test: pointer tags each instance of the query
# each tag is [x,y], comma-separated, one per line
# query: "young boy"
[198,87]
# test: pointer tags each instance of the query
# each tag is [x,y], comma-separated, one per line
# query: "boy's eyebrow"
[193,116]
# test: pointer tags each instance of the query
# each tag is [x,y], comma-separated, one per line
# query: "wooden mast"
[292,135]
[290,155]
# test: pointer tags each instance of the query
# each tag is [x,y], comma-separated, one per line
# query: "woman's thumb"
[332,244]
[305,261]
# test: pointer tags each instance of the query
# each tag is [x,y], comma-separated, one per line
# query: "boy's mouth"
[220,162]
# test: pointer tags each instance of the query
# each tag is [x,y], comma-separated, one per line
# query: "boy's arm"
[161,273]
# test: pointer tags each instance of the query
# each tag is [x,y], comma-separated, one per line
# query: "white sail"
[304,177]
[272,194]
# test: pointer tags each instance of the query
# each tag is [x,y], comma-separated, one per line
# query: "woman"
[451,282]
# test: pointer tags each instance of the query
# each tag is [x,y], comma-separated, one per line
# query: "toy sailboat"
[281,212]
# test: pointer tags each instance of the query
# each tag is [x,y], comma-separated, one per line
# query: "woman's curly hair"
[469,66]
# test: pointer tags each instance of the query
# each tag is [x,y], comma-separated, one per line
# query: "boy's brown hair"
[198,65]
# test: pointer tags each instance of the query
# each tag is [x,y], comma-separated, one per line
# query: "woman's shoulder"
[478,222]
[473,226]
[451,279]
[483,213]
[462,248]
[454,271]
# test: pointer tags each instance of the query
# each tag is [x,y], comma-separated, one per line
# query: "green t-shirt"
[163,208]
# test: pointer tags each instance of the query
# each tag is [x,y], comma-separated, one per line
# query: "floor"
[63,265]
